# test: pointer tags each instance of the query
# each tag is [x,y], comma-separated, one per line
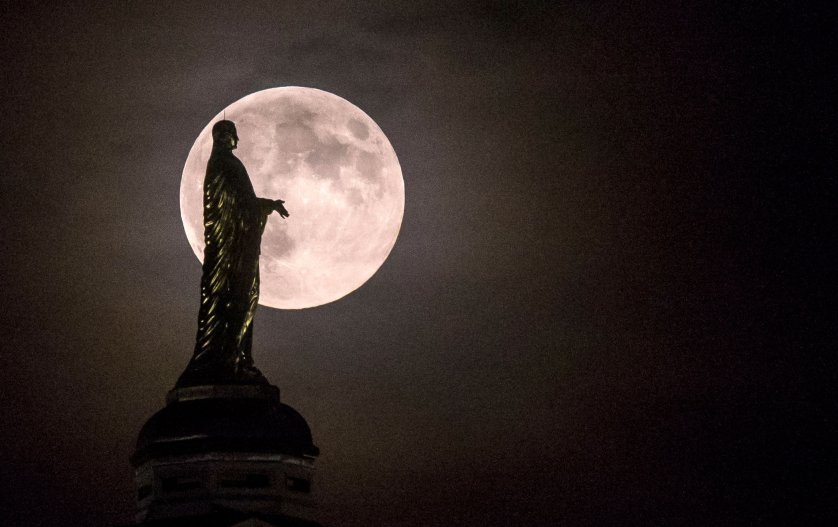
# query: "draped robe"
[234,220]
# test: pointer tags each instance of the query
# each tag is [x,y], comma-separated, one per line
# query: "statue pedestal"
[225,447]
[224,391]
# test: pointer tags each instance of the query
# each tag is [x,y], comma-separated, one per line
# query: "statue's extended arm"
[266,206]
[280,208]
[270,205]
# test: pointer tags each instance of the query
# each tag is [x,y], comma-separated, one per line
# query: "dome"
[224,420]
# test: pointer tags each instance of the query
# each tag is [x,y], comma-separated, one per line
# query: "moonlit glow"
[339,177]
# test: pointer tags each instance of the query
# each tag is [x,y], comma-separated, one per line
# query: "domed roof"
[225,422]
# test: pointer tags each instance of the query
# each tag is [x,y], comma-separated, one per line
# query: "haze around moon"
[341,182]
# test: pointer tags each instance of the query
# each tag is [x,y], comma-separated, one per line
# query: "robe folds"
[233,224]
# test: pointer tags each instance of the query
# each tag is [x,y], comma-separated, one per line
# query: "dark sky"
[608,303]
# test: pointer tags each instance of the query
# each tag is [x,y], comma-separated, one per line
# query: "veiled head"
[224,132]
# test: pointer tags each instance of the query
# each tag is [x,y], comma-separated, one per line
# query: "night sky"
[608,303]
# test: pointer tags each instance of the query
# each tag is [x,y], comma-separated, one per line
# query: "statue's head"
[224,132]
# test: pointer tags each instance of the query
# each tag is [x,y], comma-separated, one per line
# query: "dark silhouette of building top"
[225,517]
[220,454]
[259,423]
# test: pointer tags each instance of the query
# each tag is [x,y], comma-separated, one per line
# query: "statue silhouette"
[234,219]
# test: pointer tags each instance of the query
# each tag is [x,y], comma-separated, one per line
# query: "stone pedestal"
[225,447]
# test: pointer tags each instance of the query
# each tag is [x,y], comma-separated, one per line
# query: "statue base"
[224,391]
[208,373]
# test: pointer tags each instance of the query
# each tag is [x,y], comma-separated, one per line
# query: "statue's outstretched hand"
[280,208]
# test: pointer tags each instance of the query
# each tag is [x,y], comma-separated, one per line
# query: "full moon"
[341,182]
